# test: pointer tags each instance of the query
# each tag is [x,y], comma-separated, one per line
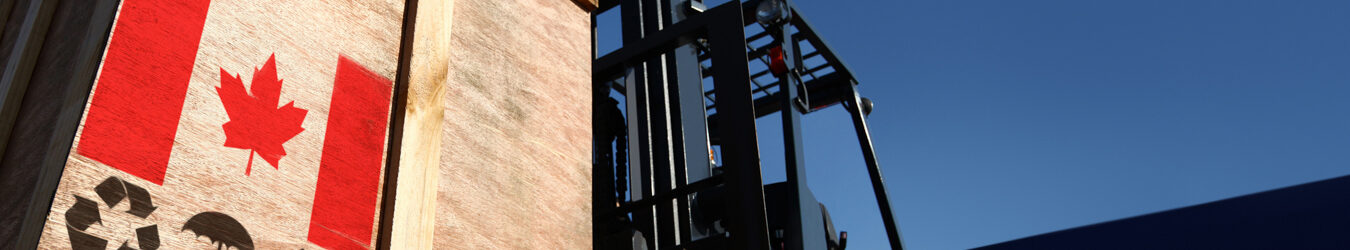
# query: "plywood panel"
[245,155]
[515,159]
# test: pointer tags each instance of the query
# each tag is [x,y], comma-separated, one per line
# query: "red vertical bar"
[133,114]
[353,149]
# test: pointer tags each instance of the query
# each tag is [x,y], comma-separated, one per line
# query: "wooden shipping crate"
[296,124]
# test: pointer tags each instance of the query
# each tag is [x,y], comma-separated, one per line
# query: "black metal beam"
[605,5]
[689,129]
[824,91]
[655,43]
[659,127]
[803,223]
[873,168]
[698,186]
[601,173]
[740,144]
[804,27]
[638,114]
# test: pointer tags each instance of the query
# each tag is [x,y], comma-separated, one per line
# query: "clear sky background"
[1002,119]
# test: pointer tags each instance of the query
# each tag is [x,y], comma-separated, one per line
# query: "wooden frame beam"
[409,219]
[588,5]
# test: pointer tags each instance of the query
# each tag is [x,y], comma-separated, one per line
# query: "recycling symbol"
[112,191]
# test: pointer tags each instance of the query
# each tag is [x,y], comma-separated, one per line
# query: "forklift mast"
[676,156]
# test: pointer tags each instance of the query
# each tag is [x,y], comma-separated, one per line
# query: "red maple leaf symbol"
[255,121]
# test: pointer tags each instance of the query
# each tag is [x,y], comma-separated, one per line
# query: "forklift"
[676,161]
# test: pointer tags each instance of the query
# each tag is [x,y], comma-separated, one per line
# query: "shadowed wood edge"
[588,5]
[52,162]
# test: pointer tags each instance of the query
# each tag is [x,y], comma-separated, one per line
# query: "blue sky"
[999,119]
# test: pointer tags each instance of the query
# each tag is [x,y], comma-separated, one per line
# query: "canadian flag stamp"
[233,124]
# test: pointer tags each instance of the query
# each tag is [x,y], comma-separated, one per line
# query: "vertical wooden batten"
[411,222]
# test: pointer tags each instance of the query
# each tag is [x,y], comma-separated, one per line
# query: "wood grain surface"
[515,159]
[202,175]
[495,130]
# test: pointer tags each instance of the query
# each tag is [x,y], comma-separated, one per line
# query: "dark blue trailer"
[1308,216]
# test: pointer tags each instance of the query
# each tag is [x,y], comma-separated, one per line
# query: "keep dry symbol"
[221,229]
[112,191]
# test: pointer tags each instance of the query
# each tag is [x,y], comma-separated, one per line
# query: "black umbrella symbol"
[221,229]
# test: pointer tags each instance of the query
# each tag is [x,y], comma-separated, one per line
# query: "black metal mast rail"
[748,230]
[662,66]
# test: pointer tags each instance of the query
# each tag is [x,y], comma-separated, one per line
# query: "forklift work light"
[771,12]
